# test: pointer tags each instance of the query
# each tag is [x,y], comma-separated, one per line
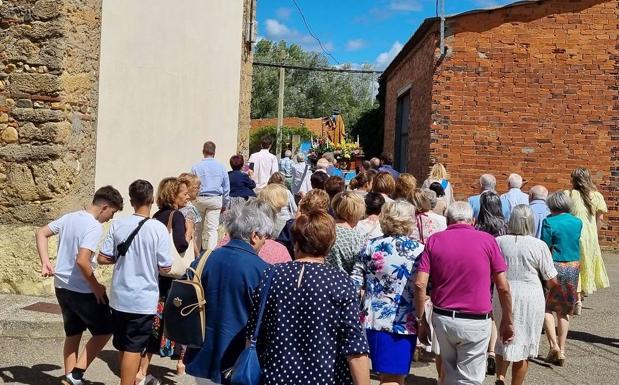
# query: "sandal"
[491,365]
[553,356]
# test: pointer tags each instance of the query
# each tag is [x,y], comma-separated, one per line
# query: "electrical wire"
[309,29]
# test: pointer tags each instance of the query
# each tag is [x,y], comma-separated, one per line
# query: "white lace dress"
[527,259]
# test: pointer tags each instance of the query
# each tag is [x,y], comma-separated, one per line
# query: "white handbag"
[181,261]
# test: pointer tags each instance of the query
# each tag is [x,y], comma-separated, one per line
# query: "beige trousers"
[206,230]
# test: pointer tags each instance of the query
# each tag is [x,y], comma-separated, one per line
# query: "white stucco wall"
[169,81]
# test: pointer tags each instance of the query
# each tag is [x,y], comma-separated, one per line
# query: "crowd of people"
[358,275]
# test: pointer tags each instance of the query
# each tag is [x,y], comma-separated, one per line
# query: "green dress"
[593,274]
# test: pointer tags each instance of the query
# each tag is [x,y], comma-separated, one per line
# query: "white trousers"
[206,230]
[463,345]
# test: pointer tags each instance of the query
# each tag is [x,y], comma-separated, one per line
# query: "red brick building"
[531,88]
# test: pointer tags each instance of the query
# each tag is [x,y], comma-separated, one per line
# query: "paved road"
[592,356]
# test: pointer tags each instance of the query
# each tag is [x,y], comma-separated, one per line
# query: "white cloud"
[277,31]
[383,60]
[355,44]
[283,13]
[405,6]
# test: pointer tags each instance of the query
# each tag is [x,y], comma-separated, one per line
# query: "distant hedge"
[271,131]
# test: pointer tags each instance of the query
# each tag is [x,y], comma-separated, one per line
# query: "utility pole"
[280,112]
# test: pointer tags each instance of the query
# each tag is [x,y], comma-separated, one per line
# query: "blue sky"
[354,31]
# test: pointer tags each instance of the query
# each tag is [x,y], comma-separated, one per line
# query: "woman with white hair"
[527,259]
[231,274]
[384,272]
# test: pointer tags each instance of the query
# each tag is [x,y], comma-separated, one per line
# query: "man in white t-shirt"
[263,164]
[81,297]
[145,245]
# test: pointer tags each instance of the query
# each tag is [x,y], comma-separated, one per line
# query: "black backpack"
[184,315]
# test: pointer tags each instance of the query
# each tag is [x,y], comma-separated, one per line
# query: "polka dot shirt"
[310,325]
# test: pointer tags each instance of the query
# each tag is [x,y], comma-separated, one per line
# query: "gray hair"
[459,212]
[397,217]
[288,153]
[329,156]
[522,221]
[514,181]
[323,164]
[559,202]
[487,182]
[300,157]
[431,195]
[255,216]
[538,192]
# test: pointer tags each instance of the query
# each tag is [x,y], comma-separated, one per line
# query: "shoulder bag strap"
[264,293]
[302,178]
[197,272]
[170,218]
[420,227]
[127,242]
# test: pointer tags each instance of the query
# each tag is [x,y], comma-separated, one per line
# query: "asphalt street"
[592,356]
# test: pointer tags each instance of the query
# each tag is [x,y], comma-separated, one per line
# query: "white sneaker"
[69,380]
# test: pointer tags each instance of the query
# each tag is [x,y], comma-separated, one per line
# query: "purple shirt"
[460,261]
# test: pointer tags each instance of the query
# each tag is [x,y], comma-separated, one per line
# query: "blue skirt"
[391,353]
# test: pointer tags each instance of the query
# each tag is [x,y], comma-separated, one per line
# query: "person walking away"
[589,207]
[263,164]
[310,331]
[332,169]
[348,208]
[172,196]
[439,174]
[369,228]
[301,175]
[515,196]
[441,204]
[285,167]
[241,185]
[537,203]
[134,301]
[424,225]
[213,197]
[404,186]
[229,278]
[82,299]
[460,262]
[387,165]
[439,220]
[362,182]
[384,184]
[487,182]
[190,212]
[528,259]
[383,273]
[561,231]
[277,196]
[290,210]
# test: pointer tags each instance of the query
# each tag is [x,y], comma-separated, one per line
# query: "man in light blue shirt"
[537,203]
[213,198]
[515,196]
[285,167]
[487,182]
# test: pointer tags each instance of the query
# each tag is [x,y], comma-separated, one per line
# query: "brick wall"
[530,89]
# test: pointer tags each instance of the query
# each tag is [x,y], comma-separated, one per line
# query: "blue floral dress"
[385,270]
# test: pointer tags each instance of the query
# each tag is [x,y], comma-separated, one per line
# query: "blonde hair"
[420,200]
[316,199]
[274,194]
[404,185]
[383,184]
[190,180]
[167,191]
[348,206]
[438,172]
[277,177]
[396,218]
[522,221]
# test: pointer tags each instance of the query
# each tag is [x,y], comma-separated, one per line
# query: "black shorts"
[80,311]
[131,331]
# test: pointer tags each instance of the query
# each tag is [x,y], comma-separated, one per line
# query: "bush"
[271,131]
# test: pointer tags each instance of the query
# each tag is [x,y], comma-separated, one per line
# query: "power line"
[321,69]
[309,29]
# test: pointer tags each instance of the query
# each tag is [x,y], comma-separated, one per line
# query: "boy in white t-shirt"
[81,297]
[135,291]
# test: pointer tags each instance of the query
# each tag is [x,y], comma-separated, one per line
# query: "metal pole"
[280,112]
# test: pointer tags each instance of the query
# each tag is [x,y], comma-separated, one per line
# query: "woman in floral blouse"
[384,272]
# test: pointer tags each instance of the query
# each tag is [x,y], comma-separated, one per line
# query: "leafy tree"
[271,131]
[308,94]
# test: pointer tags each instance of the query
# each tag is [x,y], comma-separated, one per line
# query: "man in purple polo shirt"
[460,262]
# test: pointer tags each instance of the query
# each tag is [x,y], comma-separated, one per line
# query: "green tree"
[308,94]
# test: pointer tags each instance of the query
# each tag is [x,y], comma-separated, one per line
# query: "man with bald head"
[515,196]
[537,202]
[487,182]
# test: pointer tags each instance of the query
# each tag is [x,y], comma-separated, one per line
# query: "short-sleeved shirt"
[562,235]
[541,211]
[348,244]
[310,325]
[461,261]
[265,165]
[77,230]
[135,286]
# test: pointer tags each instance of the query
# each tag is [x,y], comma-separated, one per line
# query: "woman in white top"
[528,259]
[290,210]
[369,228]
[439,174]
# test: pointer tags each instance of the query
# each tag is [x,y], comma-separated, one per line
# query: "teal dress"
[561,233]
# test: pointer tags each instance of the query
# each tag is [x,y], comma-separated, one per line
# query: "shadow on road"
[592,338]
[35,375]
[164,375]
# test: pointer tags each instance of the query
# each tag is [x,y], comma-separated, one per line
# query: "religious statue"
[334,126]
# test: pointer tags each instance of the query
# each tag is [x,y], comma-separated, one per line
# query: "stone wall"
[531,89]
[49,61]
[247,71]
